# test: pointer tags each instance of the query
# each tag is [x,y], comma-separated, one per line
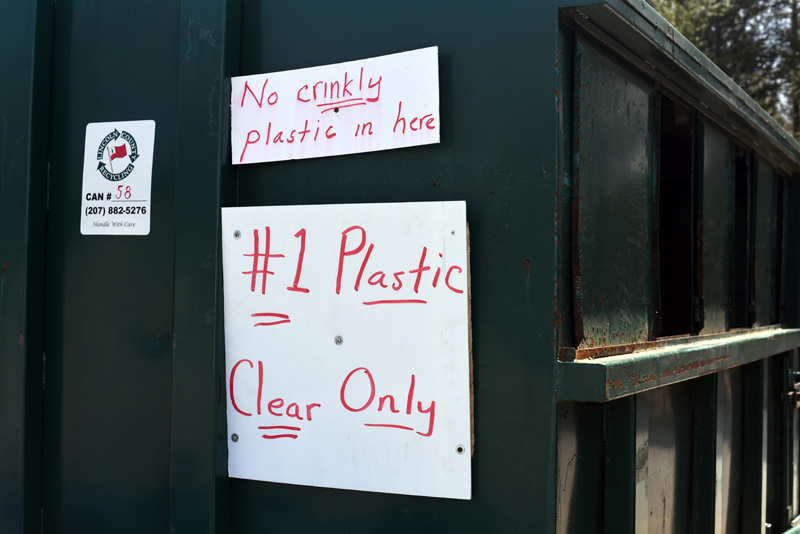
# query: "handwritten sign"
[347,346]
[361,106]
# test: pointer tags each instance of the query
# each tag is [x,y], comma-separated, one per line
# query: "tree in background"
[791,53]
[755,42]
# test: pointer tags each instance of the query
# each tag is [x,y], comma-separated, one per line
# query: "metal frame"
[205,181]
[25,37]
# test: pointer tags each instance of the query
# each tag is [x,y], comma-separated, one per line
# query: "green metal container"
[634,265]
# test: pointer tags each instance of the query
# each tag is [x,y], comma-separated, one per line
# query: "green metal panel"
[25,33]
[775,432]
[717,176]
[754,446]
[500,158]
[669,458]
[790,501]
[626,450]
[614,179]
[766,223]
[729,452]
[205,180]
[704,454]
[741,243]
[109,298]
[563,312]
[581,467]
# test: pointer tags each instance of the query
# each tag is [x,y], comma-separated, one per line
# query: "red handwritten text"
[353,263]
[274,406]
[385,402]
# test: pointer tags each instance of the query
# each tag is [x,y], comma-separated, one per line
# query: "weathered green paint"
[669,454]
[754,446]
[565,64]
[625,442]
[204,181]
[729,452]
[766,193]
[704,453]
[790,496]
[108,298]
[581,467]
[613,377]
[613,223]
[741,244]
[717,176]
[25,34]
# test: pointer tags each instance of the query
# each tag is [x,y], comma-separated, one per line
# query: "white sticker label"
[117,174]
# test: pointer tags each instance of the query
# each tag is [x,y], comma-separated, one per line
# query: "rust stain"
[527,262]
[616,384]
[612,350]
[3,274]
[22,340]
[698,366]
[639,380]
[556,319]
[207,33]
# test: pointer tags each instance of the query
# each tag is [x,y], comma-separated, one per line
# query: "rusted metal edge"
[571,354]
[614,377]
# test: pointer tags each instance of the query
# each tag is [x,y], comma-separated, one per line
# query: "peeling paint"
[587,353]
[208,34]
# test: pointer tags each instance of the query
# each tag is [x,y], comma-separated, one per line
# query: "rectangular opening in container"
[743,251]
[779,316]
[677,221]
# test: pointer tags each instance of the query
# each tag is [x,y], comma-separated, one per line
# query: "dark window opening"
[743,251]
[779,252]
[677,227]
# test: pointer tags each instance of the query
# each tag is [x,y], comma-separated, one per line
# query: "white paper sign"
[117,174]
[347,346]
[361,106]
